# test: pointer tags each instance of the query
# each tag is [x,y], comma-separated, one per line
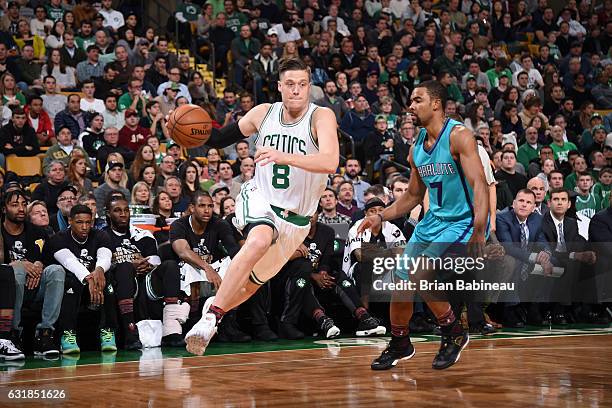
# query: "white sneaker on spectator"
[8,351]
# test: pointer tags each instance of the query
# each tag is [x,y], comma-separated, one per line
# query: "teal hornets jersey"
[450,195]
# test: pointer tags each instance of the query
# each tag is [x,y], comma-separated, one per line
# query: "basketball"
[189,126]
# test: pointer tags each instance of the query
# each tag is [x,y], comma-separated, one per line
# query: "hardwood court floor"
[552,371]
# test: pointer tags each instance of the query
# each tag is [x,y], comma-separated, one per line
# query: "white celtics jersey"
[289,187]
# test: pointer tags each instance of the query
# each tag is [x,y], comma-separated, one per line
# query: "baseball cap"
[112,165]
[505,74]
[130,112]
[174,86]
[598,127]
[143,41]
[70,188]
[374,202]
[370,73]
[216,188]
[470,76]
[98,16]
[380,117]
[171,143]
[595,116]
[272,31]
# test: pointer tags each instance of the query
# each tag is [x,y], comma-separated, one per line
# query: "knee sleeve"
[173,316]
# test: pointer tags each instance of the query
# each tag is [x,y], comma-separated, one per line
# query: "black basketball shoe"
[45,344]
[450,349]
[329,328]
[399,348]
[369,326]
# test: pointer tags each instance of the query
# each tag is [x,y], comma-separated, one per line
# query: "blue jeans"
[50,291]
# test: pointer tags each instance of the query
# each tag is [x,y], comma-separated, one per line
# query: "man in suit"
[569,247]
[536,185]
[519,230]
[600,237]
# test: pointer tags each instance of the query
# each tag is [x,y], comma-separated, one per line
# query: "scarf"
[61,221]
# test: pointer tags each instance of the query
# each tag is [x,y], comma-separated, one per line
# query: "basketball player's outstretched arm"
[463,145]
[413,197]
[324,127]
[234,132]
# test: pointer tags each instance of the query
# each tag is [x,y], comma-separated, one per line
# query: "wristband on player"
[226,136]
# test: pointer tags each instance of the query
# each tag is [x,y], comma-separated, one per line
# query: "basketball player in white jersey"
[297,147]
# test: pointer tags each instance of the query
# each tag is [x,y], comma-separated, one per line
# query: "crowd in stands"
[88,88]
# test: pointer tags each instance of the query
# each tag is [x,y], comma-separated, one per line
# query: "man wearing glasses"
[174,77]
[66,199]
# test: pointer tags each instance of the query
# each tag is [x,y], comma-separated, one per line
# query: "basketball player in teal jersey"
[444,161]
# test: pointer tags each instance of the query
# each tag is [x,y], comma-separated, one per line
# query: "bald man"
[538,187]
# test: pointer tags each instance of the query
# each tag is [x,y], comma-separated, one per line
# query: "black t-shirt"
[26,246]
[545,27]
[216,241]
[48,193]
[125,246]
[515,181]
[321,248]
[85,252]
[237,234]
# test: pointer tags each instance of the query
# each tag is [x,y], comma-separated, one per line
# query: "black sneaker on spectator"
[229,332]
[264,333]
[559,319]
[418,324]
[369,326]
[173,340]
[132,338]
[8,351]
[289,331]
[483,328]
[45,344]
[16,338]
[329,329]
[399,348]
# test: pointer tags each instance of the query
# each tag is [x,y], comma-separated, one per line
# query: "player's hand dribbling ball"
[189,126]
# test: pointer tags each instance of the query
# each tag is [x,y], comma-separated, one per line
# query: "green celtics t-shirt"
[125,101]
[84,42]
[602,192]
[235,20]
[588,205]
[190,11]
[561,152]
[54,13]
